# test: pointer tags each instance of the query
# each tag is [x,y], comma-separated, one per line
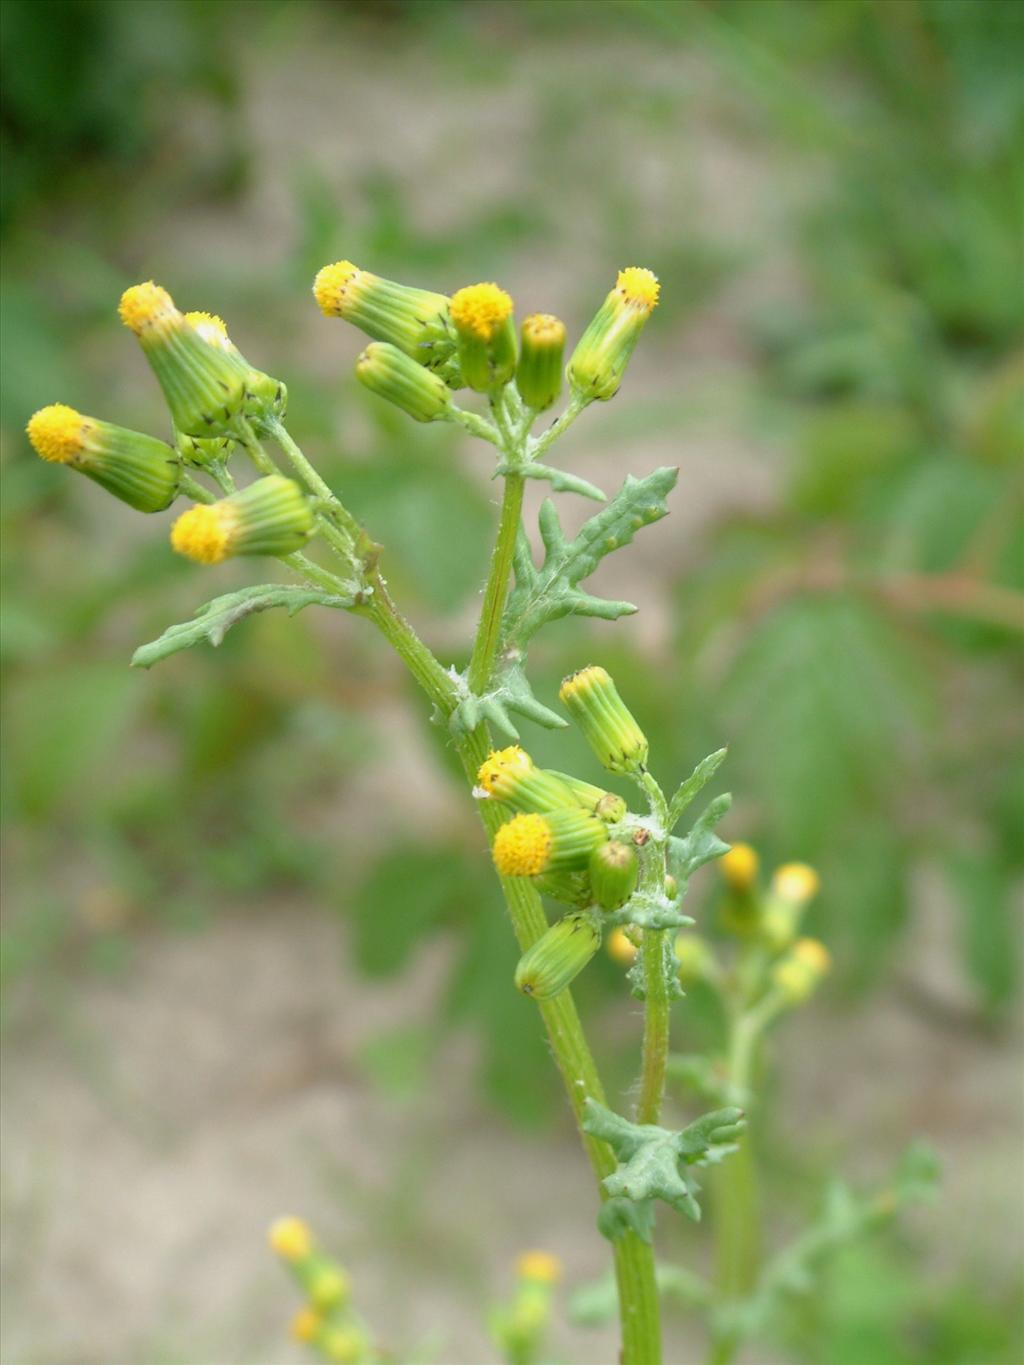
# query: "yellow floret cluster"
[582,681]
[211,328]
[638,287]
[203,533]
[480,309]
[539,1266]
[544,329]
[796,882]
[330,286]
[522,848]
[501,766]
[146,307]
[290,1238]
[58,433]
[739,867]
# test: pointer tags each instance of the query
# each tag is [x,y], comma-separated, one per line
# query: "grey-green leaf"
[214,619]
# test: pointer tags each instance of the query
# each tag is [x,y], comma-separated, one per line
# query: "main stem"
[639,1309]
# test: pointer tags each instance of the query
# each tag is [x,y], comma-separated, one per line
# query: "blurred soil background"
[252,958]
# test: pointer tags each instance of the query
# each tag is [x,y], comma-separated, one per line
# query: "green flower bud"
[200,453]
[264,398]
[482,317]
[602,354]
[793,887]
[539,372]
[271,517]
[558,956]
[571,888]
[204,385]
[559,841]
[415,320]
[386,370]
[140,470]
[510,776]
[609,728]
[605,805]
[614,870]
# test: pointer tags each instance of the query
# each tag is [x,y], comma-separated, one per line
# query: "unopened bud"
[138,469]
[558,956]
[602,353]
[271,517]
[392,374]
[539,372]
[204,384]
[264,397]
[417,321]
[591,698]
[571,888]
[605,805]
[614,871]
[793,886]
[482,317]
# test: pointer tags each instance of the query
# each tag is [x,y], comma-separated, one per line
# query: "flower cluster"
[327,1321]
[563,836]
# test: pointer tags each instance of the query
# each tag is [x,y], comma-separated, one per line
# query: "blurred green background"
[251,948]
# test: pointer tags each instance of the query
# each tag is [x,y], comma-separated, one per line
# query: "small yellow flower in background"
[621,947]
[290,1238]
[796,882]
[739,867]
[541,1266]
[798,974]
[345,1345]
[328,1286]
[306,1324]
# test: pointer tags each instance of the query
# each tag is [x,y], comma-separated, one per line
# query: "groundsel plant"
[618,875]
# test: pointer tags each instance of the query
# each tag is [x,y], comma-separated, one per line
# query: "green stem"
[557,427]
[634,1260]
[657,1004]
[488,634]
[193,489]
[313,573]
[736,1201]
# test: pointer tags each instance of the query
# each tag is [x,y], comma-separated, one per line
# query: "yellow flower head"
[739,867]
[502,768]
[813,954]
[480,309]
[331,285]
[539,1266]
[59,433]
[796,883]
[306,1324]
[203,533]
[638,288]
[621,947]
[211,328]
[148,308]
[522,848]
[290,1238]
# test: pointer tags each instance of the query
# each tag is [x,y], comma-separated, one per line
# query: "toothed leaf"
[214,619]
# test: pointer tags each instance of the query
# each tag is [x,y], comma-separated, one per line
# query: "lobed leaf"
[214,619]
